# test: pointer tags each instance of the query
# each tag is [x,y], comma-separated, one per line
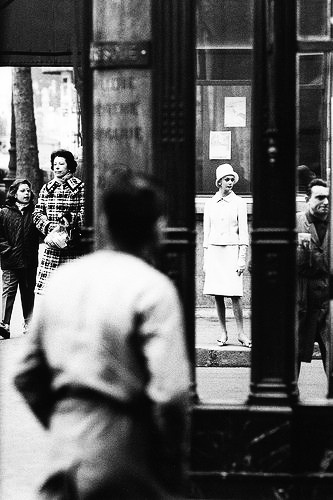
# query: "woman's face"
[226,184]
[23,193]
[60,167]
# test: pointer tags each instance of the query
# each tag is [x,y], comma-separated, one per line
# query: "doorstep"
[210,354]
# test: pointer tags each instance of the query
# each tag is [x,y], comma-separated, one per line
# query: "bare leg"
[220,306]
[238,313]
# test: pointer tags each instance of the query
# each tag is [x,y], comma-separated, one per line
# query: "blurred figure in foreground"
[19,242]
[105,368]
[313,273]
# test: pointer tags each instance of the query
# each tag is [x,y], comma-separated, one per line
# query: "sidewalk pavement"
[207,331]
[210,354]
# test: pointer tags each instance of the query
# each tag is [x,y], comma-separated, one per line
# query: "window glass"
[224,73]
[224,23]
[311,67]
[223,133]
[312,116]
[220,64]
[314,18]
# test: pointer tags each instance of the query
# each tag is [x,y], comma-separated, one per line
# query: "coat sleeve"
[168,388]
[76,212]
[33,377]
[206,224]
[82,206]
[242,223]
[40,218]
[309,260]
[4,243]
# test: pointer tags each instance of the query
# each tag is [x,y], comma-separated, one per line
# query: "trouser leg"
[9,288]
[27,282]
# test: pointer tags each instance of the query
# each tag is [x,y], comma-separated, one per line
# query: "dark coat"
[313,292]
[19,238]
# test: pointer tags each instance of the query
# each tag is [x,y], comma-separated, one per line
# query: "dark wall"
[39,32]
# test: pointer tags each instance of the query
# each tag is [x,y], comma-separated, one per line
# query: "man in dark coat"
[313,273]
[19,241]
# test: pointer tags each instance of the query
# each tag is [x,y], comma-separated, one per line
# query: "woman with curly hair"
[60,201]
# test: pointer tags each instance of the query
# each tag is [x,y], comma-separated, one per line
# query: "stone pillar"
[121,62]
[142,59]
[273,379]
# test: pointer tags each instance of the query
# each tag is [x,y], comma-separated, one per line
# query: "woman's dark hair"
[132,204]
[11,200]
[70,160]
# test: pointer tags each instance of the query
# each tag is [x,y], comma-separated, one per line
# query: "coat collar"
[73,183]
[14,207]
[229,198]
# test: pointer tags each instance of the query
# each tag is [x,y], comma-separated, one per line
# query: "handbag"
[58,237]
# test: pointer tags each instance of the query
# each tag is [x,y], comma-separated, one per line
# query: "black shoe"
[4,332]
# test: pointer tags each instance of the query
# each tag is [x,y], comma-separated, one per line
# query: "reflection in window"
[226,23]
[224,74]
[220,64]
[223,133]
[312,115]
[314,18]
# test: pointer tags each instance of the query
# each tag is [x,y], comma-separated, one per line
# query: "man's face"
[319,201]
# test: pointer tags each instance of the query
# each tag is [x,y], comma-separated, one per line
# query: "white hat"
[223,170]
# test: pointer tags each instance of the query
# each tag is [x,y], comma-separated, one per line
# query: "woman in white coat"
[226,239]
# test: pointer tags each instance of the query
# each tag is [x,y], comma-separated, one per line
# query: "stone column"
[273,379]
[142,60]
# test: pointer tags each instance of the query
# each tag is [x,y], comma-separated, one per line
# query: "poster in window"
[235,111]
[219,145]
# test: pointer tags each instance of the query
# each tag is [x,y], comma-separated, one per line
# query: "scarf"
[21,206]
[63,179]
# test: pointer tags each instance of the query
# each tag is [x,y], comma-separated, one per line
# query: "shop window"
[314,19]
[227,23]
[223,133]
[312,116]
[224,73]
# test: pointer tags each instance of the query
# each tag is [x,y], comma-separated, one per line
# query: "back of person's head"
[315,182]
[133,203]
[304,176]
[11,195]
[69,157]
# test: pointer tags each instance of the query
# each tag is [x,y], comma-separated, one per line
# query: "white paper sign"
[219,145]
[235,111]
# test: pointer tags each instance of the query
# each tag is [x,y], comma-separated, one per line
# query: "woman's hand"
[240,266]
[240,270]
[241,259]
[57,238]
